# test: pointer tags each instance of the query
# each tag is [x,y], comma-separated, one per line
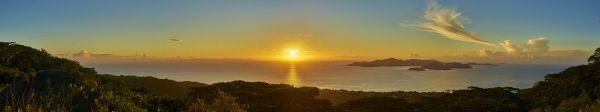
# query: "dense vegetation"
[159,86]
[34,80]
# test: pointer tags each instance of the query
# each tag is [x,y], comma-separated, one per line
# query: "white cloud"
[485,53]
[479,53]
[510,47]
[539,45]
[449,23]
[532,47]
[550,57]
[86,54]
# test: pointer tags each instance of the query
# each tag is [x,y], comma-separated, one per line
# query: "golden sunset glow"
[293,55]
[300,55]
[292,76]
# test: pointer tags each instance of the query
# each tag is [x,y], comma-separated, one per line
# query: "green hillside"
[34,80]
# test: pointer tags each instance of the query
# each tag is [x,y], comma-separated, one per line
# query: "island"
[486,64]
[416,69]
[422,64]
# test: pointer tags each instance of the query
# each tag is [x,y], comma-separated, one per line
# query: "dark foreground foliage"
[33,80]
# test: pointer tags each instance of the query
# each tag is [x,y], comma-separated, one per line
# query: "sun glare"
[293,54]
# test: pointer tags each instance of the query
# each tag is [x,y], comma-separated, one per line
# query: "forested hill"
[34,80]
[159,86]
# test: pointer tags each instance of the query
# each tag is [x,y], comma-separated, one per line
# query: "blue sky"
[232,28]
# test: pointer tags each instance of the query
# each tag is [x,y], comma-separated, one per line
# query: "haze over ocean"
[336,75]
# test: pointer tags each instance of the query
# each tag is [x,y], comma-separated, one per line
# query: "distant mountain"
[393,62]
[474,63]
[424,64]
[416,69]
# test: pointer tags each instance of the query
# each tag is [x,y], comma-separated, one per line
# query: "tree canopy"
[595,58]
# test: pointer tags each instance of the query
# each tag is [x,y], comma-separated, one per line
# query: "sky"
[464,30]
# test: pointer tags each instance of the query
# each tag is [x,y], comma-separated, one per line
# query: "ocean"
[335,74]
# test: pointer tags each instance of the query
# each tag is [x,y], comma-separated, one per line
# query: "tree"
[223,103]
[265,97]
[375,104]
[595,57]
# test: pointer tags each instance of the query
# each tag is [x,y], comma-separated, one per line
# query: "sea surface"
[335,74]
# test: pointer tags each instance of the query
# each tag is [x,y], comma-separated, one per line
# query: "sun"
[293,54]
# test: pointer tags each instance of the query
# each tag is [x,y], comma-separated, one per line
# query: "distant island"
[423,64]
[416,69]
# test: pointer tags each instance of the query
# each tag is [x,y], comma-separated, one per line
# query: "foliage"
[264,97]
[159,86]
[595,58]
[33,80]
[340,96]
[499,99]
[30,60]
[573,82]
[222,103]
[375,104]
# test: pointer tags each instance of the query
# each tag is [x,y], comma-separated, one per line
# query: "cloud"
[86,54]
[549,57]
[88,57]
[414,55]
[479,53]
[449,23]
[510,47]
[486,53]
[539,45]
[535,50]
[175,40]
[533,47]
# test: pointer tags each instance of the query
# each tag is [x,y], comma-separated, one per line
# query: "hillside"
[159,86]
[34,80]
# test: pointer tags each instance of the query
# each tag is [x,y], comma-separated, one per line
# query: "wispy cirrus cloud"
[448,22]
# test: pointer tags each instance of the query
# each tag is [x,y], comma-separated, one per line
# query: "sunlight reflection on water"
[292,76]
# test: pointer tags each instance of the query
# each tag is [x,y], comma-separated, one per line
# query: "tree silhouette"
[595,57]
